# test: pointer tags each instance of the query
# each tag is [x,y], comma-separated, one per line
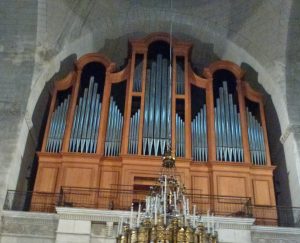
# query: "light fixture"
[167,217]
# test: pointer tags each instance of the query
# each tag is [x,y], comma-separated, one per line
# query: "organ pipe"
[256,140]
[180,138]
[85,128]
[57,126]
[227,127]
[114,130]
[179,79]
[137,81]
[133,133]
[157,111]
[199,136]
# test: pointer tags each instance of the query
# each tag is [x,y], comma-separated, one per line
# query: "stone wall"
[72,225]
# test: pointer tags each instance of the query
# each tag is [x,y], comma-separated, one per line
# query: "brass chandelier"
[167,217]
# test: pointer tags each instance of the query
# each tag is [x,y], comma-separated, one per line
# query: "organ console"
[109,127]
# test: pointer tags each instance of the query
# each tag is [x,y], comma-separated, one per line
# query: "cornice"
[291,128]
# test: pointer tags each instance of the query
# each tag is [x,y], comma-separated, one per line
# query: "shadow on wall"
[39,119]
[118,50]
[282,190]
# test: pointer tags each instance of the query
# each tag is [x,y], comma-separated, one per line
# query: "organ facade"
[108,128]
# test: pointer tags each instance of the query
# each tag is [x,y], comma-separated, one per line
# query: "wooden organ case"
[107,128]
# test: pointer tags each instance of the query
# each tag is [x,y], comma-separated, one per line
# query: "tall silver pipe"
[164,104]
[146,111]
[90,118]
[158,107]
[227,121]
[96,124]
[232,129]
[151,107]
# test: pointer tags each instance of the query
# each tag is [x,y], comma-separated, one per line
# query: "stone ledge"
[27,236]
[291,128]
[275,234]
[115,215]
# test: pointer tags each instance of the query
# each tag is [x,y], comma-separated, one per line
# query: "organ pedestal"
[108,128]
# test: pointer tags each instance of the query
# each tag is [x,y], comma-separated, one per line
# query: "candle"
[131,217]
[194,214]
[208,219]
[155,210]
[184,205]
[139,215]
[213,224]
[165,201]
[121,228]
[175,202]
[120,225]
[187,206]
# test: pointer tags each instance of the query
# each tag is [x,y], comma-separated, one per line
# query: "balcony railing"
[122,199]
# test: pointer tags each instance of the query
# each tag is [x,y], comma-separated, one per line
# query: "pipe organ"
[86,121]
[114,130]
[157,108]
[57,126]
[109,127]
[199,136]
[227,127]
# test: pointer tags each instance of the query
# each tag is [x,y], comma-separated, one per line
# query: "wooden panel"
[231,186]
[200,184]
[46,179]
[261,192]
[109,178]
[78,177]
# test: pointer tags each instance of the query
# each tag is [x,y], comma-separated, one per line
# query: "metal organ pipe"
[137,81]
[227,127]
[133,133]
[114,130]
[199,136]
[179,79]
[157,109]
[57,126]
[256,140]
[84,132]
[180,138]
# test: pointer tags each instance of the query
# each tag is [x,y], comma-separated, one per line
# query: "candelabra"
[167,217]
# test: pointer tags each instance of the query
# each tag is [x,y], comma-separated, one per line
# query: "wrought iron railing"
[276,216]
[122,199]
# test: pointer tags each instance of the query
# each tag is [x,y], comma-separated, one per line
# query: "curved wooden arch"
[95,57]
[227,65]
[197,80]
[252,94]
[66,82]
[143,43]
[121,75]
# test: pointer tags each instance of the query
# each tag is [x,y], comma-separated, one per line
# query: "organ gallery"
[108,128]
